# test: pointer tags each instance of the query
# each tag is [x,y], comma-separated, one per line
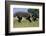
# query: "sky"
[19,9]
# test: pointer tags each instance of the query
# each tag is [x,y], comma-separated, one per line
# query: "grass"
[25,23]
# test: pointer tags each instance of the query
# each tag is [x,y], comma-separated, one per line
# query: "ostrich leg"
[19,19]
[28,19]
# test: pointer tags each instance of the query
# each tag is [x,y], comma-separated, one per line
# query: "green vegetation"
[35,12]
[25,23]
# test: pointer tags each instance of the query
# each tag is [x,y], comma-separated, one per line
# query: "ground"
[25,23]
